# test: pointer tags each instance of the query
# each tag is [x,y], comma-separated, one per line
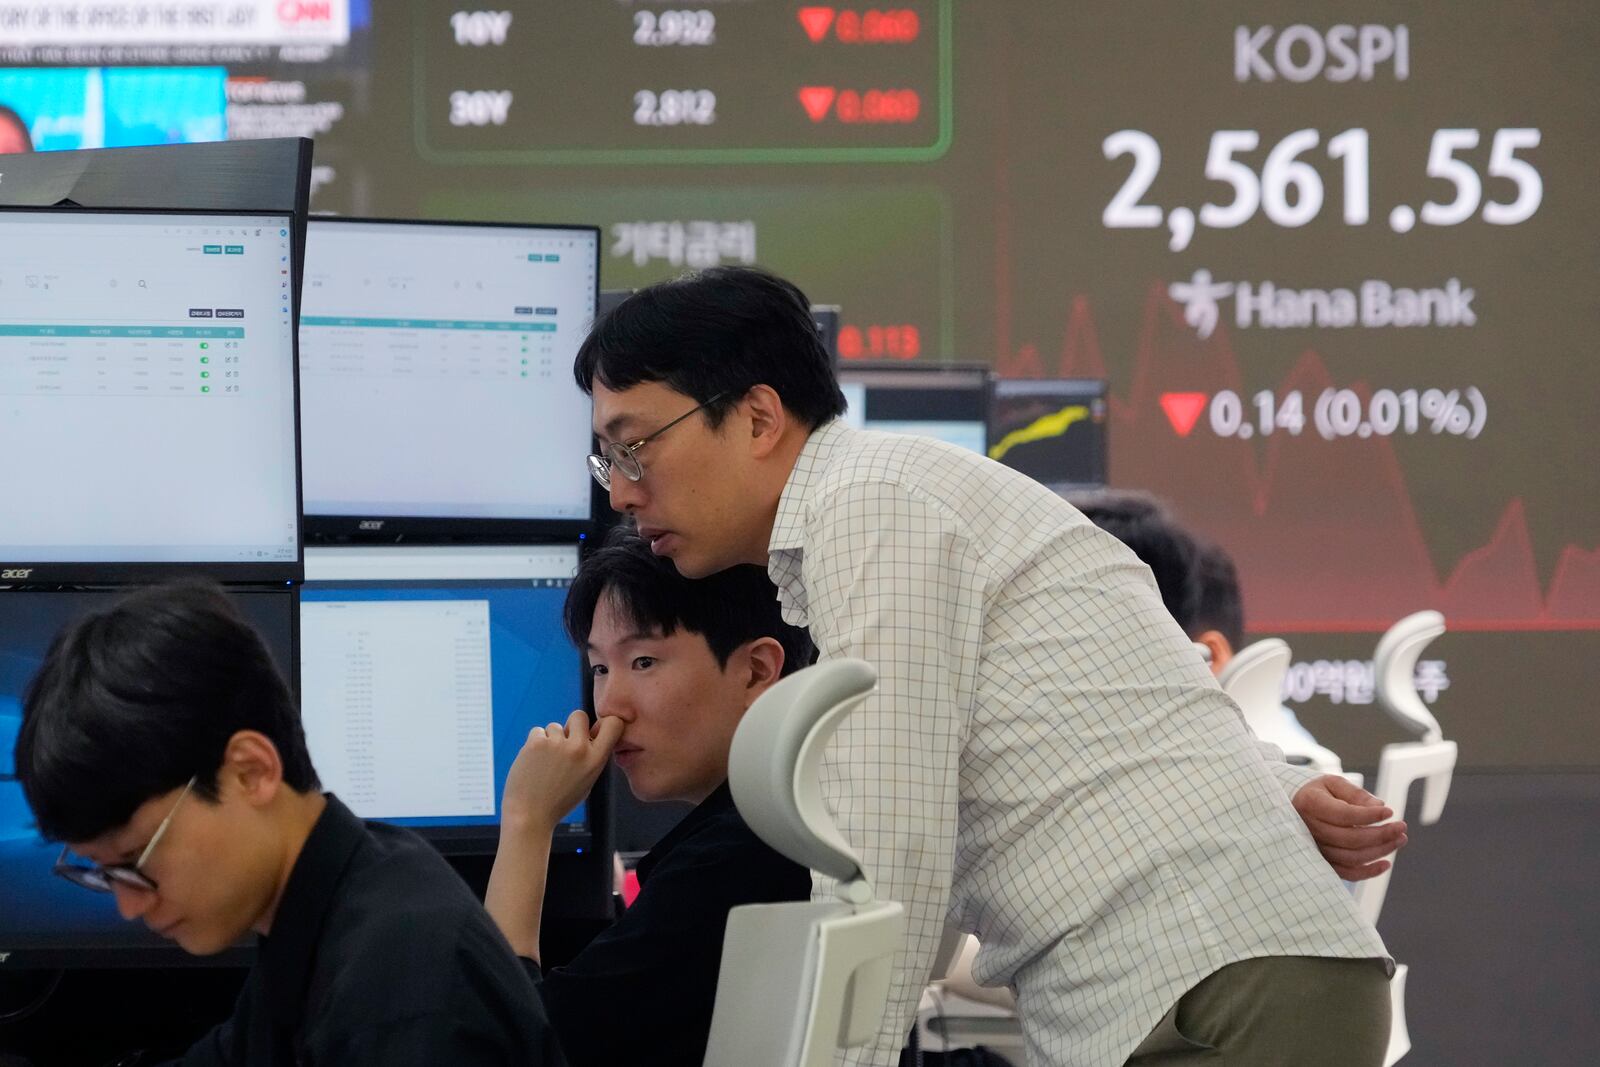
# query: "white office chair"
[801,980]
[957,1013]
[1254,679]
[1430,759]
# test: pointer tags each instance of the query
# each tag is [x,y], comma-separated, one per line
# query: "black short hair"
[1142,522]
[1221,606]
[716,333]
[134,700]
[7,115]
[729,609]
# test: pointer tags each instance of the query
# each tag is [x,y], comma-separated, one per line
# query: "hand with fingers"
[550,776]
[556,768]
[1349,827]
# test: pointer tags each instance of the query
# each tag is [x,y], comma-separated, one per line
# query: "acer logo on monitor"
[371,524]
[16,573]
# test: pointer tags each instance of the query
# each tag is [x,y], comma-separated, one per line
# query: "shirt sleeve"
[418,1006]
[433,1038]
[1289,776]
[891,578]
[224,1044]
[215,1049]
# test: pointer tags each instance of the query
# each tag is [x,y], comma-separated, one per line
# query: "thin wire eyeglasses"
[625,457]
[100,876]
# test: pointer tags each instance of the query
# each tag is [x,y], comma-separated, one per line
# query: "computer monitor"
[1053,430]
[147,395]
[609,299]
[267,175]
[947,401]
[436,368]
[422,671]
[46,921]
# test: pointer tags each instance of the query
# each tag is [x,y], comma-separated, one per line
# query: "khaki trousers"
[1277,1011]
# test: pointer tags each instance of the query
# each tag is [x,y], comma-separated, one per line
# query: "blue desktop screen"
[418,695]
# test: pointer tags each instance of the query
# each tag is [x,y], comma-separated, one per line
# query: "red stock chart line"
[1325,534]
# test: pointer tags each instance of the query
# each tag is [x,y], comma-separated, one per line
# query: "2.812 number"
[675,107]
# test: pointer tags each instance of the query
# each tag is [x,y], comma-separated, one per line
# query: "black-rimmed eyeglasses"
[101,877]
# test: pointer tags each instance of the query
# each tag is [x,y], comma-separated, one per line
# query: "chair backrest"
[1431,760]
[801,980]
[1399,765]
[1254,679]
[1395,664]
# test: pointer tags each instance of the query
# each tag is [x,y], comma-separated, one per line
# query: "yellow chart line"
[1045,426]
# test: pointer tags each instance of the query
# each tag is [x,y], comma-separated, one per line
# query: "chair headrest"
[1395,664]
[774,763]
[1254,679]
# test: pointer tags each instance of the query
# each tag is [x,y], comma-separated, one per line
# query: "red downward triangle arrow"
[816,20]
[817,99]
[1183,410]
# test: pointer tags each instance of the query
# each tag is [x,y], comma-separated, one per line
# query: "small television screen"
[147,373]
[422,671]
[436,374]
[1053,430]
[949,402]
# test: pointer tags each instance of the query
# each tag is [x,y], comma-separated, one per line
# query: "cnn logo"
[294,12]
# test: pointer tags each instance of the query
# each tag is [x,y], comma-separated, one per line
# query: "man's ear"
[1221,649]
[768,419]
[251,765]
[764,656]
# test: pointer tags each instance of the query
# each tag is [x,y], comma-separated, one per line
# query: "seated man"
[1218,625]
[675,665]
[160,742]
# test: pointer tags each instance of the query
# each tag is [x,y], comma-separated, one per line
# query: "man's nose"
[614,701]
[132,902]
[626,494]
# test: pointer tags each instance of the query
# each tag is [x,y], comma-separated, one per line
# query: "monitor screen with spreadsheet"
[436,368]
[147,393]
[422,671]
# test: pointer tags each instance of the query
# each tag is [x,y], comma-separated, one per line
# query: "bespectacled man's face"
[696,502]
[213,879]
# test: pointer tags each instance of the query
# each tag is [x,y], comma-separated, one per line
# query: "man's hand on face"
[555,769]
[1347,824]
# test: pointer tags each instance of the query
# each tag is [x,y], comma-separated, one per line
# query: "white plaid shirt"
[1046,759]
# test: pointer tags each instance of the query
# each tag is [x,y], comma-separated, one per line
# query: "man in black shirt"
[675,665]
[159,740]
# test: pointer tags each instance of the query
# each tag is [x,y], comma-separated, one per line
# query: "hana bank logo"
[1374,304]
[1199,296]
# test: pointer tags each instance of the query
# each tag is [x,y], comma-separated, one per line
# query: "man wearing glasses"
[1046,762]
[159,741]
